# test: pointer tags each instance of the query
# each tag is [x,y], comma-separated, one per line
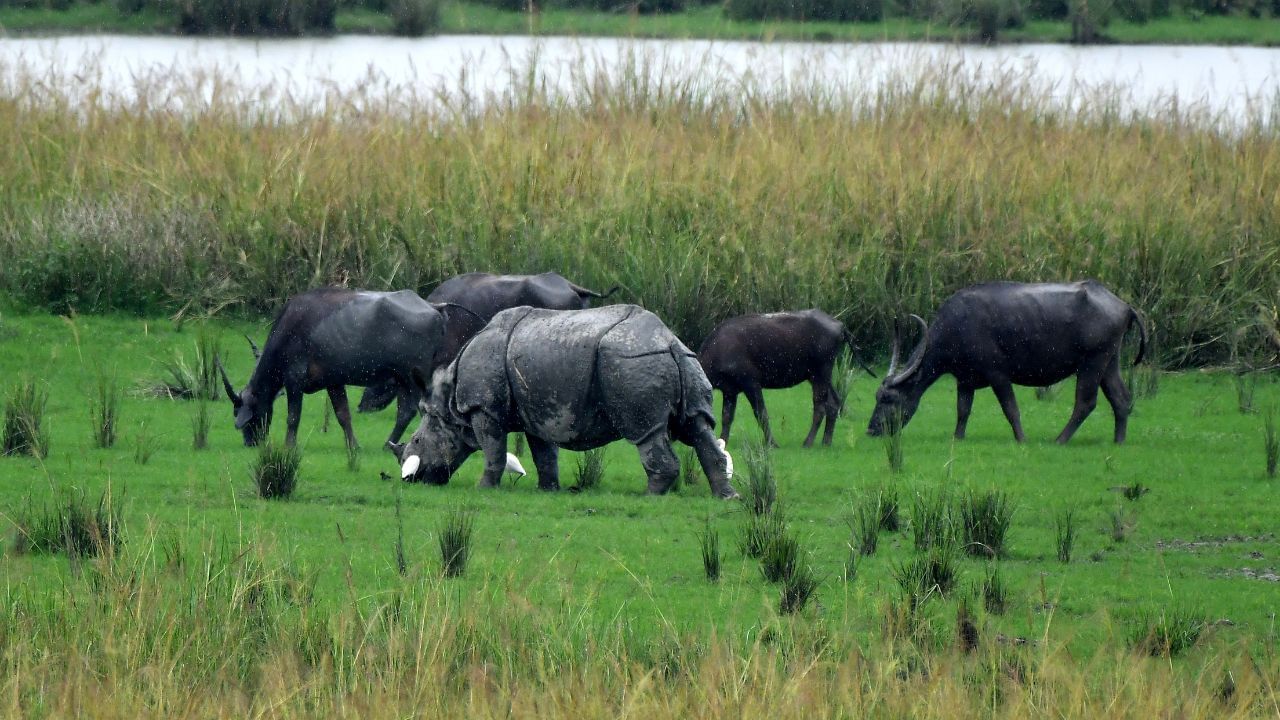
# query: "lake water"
[1225,81]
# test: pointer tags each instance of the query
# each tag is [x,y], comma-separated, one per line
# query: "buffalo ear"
[395,448]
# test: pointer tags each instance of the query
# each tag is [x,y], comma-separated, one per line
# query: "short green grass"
[637,559]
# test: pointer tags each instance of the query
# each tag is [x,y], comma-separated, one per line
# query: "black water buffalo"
[577,379]
[329,338]
[479,296]
[1002,334]
[776,350]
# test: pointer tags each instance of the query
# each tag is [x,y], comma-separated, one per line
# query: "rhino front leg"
[546,457]
[713,460]
[493,443]
[659,462]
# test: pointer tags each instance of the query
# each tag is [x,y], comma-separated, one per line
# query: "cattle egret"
[728,459]
[410,467]
[513,465]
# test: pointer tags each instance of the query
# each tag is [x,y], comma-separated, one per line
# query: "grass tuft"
[275,473]
[798,588]
[932,522]
[73,527]
[985,520]
[1134,491]
[24,431]
[780,556]
[590,470]
[762,484]
[759,531]
[456,534]
[104,410]
[892,439]
[995,595]
[1065,534]
[929,575]
[709,540]
[1167,633]
[200,426]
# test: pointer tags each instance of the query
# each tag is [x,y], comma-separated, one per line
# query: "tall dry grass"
[703,198]
[232,629]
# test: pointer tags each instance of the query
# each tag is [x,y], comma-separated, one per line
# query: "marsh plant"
[104,410]
[1246,385]
[144,443]
[456,533]
[798,588]
[1065,534]
[985,519]
[927,575]
[887,499]
[932,521]
[892,439]
[759,532]
[690,470]
[864,524]
[197,381]
[590,470]
[994,593]
[200,426]
[1270,442]
[1134,491]
[1166,633]
[780,556]
[851,561]
[24,431]
[73,526]
[1120,523]
[762,483]
[275,472]
[709,540]
[842,376]
[401,560]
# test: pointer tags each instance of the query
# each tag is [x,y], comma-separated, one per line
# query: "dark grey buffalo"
[577,379]
[776,350]
[479,296]
[329,338]
[1002,334]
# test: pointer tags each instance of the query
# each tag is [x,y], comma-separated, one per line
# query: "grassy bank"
[215,602]
[695,22]
[701,198]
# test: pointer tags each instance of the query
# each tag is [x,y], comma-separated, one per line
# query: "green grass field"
[614,560]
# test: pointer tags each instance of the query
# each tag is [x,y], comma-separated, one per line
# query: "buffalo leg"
[964,405]
[342,411]
[819,412]
[1119,397]
[546,458]
[1009,403]
[294,397]
[659,462]
[833,407]
[756,398]
[727,409]
[1086,401]
[405,408]
[493,443]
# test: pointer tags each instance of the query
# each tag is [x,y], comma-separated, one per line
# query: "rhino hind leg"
[659,461]
[493,443]
[546,458]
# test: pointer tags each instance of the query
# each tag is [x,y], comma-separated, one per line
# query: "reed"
[716,204]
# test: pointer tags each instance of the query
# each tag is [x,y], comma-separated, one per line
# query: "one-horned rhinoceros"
[576,379]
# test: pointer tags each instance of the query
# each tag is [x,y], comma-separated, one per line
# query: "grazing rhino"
[1002,334]
[577,379]
[776,350]
[480,296]
[329,338]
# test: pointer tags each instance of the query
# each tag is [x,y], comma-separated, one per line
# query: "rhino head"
[443,439]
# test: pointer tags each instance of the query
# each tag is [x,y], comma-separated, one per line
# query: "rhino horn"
[396,448]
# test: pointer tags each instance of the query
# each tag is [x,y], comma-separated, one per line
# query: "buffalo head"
[897,397]
[253,414]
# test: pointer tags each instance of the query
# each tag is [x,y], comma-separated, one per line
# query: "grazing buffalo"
[776,350]
[567,378]
[480,296]
[1002,334]
[329,338]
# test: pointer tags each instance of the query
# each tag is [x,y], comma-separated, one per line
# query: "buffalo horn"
[917,355]
[410,467]
[893,358]
[254,347]
[226,383]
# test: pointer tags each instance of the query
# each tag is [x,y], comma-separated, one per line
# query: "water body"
[1228,82]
